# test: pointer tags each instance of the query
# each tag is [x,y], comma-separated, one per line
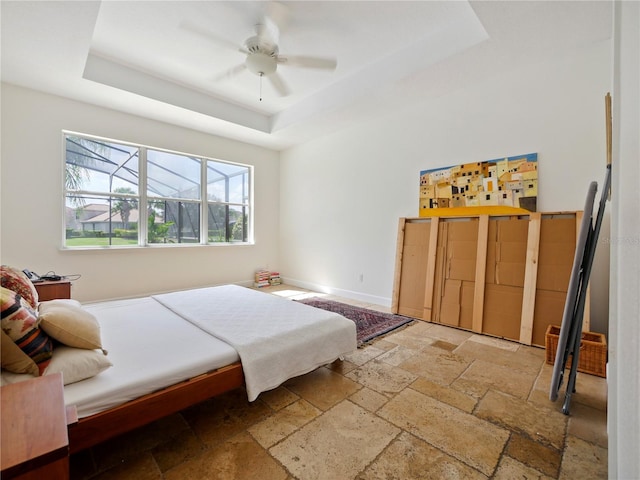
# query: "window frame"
[247,204]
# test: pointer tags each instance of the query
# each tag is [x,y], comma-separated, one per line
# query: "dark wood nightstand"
[35,443]
[50,290]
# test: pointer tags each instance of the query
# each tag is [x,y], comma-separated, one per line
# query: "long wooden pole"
[607,106]
[607,103]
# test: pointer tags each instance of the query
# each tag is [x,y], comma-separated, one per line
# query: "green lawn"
[98,242]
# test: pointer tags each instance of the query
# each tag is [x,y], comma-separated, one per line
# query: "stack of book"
[274,278]
[262,278]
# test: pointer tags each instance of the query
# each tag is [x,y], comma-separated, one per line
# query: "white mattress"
[131,331]
[276,338]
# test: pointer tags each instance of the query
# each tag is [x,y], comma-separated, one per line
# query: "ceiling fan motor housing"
[260,44]
[261,63]
[262,58]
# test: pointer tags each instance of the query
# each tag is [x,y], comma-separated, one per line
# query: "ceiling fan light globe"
[261,64]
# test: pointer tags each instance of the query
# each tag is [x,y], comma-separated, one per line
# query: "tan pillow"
[14,359]
[70,324]
[77,364]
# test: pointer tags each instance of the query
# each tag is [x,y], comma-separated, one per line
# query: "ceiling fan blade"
[309,62]
[279,13]
[279,84]
[230,73]
[255,12]
[267,32]
[269,19]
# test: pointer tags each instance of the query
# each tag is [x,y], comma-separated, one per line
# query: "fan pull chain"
[261,74]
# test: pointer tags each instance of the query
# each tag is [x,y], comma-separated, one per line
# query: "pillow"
[7,377]
[16,280]
[20,323]
[61,301]
[77,364]
[70,324]
[15,360]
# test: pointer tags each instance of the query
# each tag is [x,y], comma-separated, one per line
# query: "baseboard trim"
[362,297]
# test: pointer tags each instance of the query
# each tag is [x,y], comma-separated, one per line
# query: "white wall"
[31,197]
[624,332]
[342,195]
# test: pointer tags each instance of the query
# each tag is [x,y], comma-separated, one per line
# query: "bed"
[173,350]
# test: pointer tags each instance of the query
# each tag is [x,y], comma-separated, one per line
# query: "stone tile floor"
[424,402]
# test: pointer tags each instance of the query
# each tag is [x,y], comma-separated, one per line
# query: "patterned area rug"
[369,323]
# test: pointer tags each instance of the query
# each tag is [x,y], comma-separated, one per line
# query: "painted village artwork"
[509,182]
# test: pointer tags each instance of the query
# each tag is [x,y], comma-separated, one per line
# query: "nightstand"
[35,443]
[50,290]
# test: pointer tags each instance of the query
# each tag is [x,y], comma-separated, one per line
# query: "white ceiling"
[160,59]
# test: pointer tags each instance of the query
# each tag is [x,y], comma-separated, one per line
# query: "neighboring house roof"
[115,217]
[95,207]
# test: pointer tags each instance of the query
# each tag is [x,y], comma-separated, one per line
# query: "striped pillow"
[20,323]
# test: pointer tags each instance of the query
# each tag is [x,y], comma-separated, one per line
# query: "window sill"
[99,248]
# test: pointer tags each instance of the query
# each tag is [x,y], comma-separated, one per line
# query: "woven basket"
[593,351]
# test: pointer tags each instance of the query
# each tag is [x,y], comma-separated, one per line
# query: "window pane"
[238,223]
[100,166]
[172,175]
[227,223]
[102,194]
[227,183]
[92,221]
[173,222]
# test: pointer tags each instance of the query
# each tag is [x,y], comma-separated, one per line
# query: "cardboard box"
[502,311]
[549,307]
[451,299]
[462,240]
[501,299]
[459,239]
[556,252]
[507,251]
[466,305]
[414,264]
[510,273]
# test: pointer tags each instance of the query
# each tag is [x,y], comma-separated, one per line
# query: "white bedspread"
[150,348]
[276,338]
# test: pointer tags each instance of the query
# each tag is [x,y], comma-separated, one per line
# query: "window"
[186,199]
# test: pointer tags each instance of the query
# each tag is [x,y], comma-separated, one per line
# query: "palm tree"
[74,177]
[124,205]
[75,172]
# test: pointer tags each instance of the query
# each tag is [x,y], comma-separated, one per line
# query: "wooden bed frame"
[90,431]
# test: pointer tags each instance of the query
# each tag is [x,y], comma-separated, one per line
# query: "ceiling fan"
[263,56]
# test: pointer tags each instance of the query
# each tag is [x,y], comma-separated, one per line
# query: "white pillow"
[7,377]
[77,363]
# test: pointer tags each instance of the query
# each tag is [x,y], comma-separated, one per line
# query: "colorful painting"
[503,182]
